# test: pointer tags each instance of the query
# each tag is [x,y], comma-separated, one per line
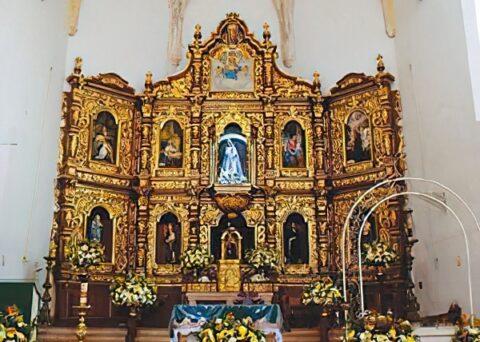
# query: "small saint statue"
[231,241]
[170,240]
[96,229]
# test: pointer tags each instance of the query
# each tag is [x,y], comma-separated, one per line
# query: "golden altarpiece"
[231,141]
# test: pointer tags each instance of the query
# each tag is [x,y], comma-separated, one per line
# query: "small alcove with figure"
[168,240]
[295,240]
[100,228]
[232,156]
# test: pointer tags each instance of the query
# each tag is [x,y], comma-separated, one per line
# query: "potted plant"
[135,293]
[231,329]
[378,254]
[263,261]
[194,261]
[12,326]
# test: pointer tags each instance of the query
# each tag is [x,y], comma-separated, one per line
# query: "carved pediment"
[111,80]
[233,63]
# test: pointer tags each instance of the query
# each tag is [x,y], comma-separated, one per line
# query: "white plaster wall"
[33,41]
[130,37]
[443,143]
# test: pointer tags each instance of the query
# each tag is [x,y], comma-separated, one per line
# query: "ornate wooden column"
[144,167]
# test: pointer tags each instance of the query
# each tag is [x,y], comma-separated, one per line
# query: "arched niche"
[168,242]
[100,228]
[104,138]
[240,224]
[295,240]
[293,146]
[358,138]
[232,156]
[171,145]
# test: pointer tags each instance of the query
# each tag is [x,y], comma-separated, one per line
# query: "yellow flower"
[392,332]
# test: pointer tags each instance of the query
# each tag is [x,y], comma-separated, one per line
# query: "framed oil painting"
[232,71]
[171,145]
[358,138]
[104,138]
[293,146]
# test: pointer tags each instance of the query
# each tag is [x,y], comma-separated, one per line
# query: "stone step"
[67,334]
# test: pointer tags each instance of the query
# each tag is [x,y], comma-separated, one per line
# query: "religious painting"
[168,240]
[231,246]
[232,70]
[295,240]
[104,138]
[232,34]
[100,229]
[171,145]
[370,232]
[232,163]
[358,138]
[293,143]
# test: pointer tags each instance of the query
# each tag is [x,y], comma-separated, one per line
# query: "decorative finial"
[148,81]
[380,64]
[316,81]
[266,32]
[198,33]
[77,69]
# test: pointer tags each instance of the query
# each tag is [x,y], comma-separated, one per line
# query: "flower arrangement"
[230,329]
[465,333]
[379,328]
[195,259]
[262,258]
[134,291]
[378,254]
[322,292]
[12,326]
[84,253]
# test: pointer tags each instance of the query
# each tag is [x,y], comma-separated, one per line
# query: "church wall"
[130,38]
[442,143]
[33,39]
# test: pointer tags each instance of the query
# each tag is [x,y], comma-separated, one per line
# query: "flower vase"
[132,324]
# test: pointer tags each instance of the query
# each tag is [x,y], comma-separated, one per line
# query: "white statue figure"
[284,10]
[96,228]
[231,169]
[177,10]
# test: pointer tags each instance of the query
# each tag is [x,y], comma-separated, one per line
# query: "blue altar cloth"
[188,319]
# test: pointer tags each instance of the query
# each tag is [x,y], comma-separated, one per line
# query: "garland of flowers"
[84,253]
[379,328]
[262,258]
[12,326]
[378,254]
[322,292]
[134,291]
[230,329]
[195,259]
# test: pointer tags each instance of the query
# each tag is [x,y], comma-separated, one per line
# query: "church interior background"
[230,152]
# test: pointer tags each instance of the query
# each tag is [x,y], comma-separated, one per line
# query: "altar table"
[188,319]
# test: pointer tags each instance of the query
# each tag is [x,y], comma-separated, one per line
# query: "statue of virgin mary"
[231,169]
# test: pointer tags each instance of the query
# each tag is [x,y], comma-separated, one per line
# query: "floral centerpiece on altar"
[230,329]
[464,332]
[379,328]
[134,292]
[322,292]
[12,326]
[82,254]
[195,260]
[263,260]
[378,254]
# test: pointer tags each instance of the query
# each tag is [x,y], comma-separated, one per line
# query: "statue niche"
[231,239]
[293,141]
[168,241]
[295,240]
[104,138]
[100,228]
[232,152]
